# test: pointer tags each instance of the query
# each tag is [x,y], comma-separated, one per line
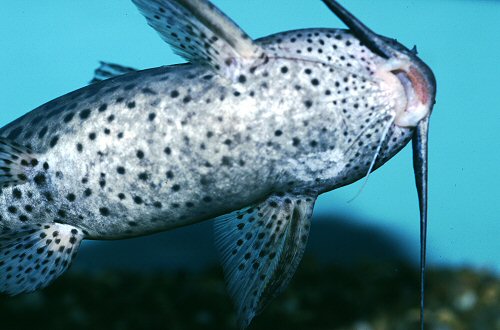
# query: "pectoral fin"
[261,248]
[15,162]
[201,33]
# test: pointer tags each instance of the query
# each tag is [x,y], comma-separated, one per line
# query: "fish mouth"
[411,86]
[420,93]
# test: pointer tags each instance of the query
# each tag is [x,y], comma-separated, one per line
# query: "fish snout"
[420,89]
[413,87]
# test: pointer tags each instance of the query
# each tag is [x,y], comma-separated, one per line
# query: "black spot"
[28,208]
[45,166]
[71,197]
[103,107]
[68,117]
[104,211]
[79,147]
[92,136]
[170,175]
[167,150]
[227,161]
[12,209]
[152,116]
[61,213]
[176,187]
[40,179]
[84,114]
[278,132]
[207,199]
[48,197]
[186,99]
[120,170]
[284,69]
[87,192]
[174,94]
[315,82]
[17,193]
[138,200]
[53,141]
[131,105]
[158,205]
[242,79]
[43,131]
[273,204]
[295,141]
[102,181]
[308,103]
[121,196]
[143,176]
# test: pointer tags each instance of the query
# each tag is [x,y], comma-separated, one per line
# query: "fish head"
[418,81]
[419,85]
[416,78]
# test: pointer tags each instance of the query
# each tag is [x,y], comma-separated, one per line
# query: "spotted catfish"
[248,132]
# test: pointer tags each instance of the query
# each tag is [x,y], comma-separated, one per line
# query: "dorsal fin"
[201,33]
[108,70]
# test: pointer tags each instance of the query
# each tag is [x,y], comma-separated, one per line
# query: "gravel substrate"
[376,296]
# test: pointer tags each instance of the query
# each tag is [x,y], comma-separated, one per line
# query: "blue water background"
[49,48]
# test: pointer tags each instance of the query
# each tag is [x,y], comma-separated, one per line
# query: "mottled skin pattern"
[250,132]
[170,146]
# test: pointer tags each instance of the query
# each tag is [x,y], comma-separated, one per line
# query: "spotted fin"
[108,70]
[261,248]
[15,162]
[201,33]
[32,257]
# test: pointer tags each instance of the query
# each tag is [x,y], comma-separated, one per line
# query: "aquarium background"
[49,48]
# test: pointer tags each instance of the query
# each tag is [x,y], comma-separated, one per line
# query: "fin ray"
[261,248]
[15,161]
[201,33]
[36,255]
[107,70]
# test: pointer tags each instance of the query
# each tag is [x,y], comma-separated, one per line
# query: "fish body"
[249,131]
[165,147]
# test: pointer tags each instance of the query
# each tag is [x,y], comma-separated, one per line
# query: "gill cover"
[423,91]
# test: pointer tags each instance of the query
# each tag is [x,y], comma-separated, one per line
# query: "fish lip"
[419,84]
[418,80]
